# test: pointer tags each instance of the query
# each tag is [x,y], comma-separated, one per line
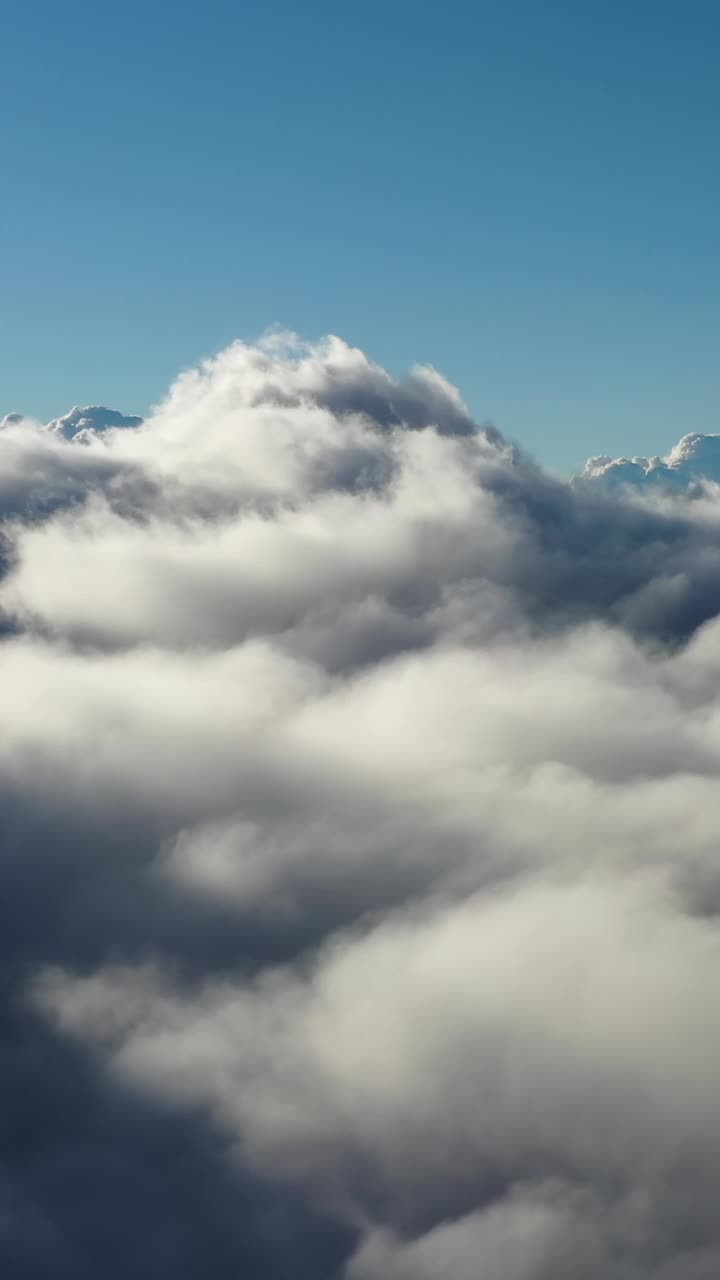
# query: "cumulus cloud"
[691,465]
[360,884]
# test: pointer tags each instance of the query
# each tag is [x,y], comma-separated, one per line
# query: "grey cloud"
[543,1232]
[360,889]
[40,475]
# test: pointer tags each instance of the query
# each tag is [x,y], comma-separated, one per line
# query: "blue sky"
[524,194]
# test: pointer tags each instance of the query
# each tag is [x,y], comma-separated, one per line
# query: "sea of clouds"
[360,843]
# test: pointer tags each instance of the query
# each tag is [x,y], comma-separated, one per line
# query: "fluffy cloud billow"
[360,873]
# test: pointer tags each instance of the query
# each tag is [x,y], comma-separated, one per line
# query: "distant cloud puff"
[694,461]
[79,423]
[360,879]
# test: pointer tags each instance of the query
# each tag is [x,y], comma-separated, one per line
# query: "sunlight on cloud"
[360,782]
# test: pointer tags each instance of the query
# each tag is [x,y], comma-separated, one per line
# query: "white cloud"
[694,461]
[359,783]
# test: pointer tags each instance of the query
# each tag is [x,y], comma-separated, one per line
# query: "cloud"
[692,464]
[83,425]
[360,886]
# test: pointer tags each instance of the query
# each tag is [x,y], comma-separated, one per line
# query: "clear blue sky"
[525,194]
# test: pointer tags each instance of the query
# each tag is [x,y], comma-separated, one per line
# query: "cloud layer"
[360,871]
